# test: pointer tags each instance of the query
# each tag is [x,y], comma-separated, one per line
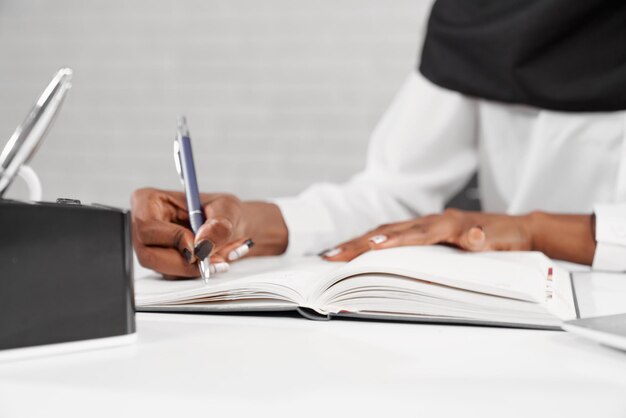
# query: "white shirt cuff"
[609,257]
[611,223]
[611,237]
[309,225]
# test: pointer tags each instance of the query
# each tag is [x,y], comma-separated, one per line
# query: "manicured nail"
[240,251]
[203,249]
[187,254]
[219,268]
[323,252]
[332,252]
[378,239]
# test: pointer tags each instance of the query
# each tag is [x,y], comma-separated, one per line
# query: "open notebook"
[422,284]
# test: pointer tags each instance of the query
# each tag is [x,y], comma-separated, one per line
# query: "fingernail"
[219,268]
[332,252]
[187,254]
[203,249]
[240,251]
[323,252]
[378,239]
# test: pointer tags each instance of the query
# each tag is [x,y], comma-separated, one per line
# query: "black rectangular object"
[65,273]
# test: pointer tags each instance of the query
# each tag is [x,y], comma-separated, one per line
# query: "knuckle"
[142,200]
[451,230]
[221,198]
[429,218]
[231,198]
[452,212]
[221,227]
[419,228]
[141,193]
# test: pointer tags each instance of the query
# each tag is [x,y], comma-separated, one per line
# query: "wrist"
[563,237]
[534,224]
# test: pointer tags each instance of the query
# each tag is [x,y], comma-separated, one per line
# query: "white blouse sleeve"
[611,237]
[610,252]
[421,153]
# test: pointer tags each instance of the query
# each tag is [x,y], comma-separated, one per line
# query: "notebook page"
[275,278]
[518,275]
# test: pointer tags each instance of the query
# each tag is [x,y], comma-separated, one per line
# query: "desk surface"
[284,366]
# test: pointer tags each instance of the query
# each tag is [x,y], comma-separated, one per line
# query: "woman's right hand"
[164,241]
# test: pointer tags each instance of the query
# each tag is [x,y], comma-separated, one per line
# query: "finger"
[163,205]
[420,232]
[347,250]
[218,264]
[236,250]
[216,258]
[166,261]
[344,252]
[353,248]
[222,216]
[165,234]
[157,217]
[474,239]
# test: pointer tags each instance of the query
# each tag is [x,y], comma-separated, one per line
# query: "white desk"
[244,366]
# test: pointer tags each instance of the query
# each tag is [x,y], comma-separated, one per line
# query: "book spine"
[312,314]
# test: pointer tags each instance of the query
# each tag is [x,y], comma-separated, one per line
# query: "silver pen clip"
[177,163]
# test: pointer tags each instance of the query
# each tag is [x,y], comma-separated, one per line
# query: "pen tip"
[204,270]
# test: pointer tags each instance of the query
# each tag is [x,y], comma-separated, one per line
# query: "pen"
[183,158]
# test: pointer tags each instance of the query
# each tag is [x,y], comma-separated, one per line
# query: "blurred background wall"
[278,93]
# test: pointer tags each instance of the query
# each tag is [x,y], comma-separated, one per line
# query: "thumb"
[212,235]
[474,239]
[222,217]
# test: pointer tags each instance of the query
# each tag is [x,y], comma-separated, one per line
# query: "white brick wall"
[278,93]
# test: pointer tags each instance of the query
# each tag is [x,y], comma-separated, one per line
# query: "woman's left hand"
[471,231]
